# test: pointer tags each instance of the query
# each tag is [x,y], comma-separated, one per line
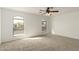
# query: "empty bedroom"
[39,28]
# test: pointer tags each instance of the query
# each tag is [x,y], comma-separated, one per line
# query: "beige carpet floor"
[42,43]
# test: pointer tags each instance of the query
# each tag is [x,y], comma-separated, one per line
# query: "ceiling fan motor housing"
[48,10]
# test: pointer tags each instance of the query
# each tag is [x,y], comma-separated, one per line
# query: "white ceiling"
[36,10]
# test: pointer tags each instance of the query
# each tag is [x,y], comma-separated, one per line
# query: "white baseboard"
[65,36]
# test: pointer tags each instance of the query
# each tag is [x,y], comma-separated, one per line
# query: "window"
[44,25]
[18,25]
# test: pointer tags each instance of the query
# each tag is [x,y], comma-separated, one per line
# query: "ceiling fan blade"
[54,11]
[44,13]
[42,10]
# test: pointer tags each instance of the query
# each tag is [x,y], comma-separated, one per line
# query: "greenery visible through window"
[18,26]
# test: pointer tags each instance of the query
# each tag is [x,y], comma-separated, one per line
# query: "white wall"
[66,24]
[0,25]
[32,24]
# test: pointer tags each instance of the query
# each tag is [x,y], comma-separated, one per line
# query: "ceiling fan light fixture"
[49,14]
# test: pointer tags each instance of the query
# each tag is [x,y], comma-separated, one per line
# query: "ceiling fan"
[49,11]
